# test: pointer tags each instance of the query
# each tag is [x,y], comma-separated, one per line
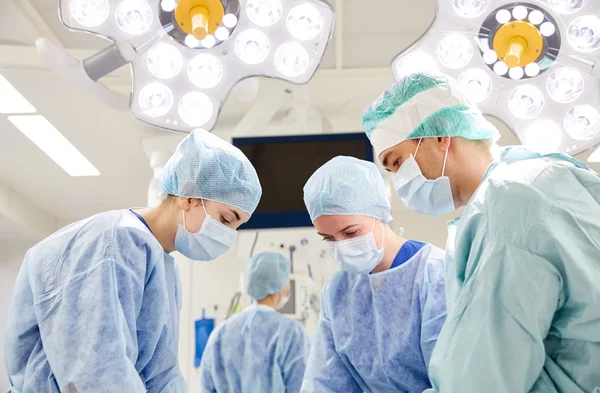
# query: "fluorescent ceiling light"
[11,101]
[595,156]
[54,144]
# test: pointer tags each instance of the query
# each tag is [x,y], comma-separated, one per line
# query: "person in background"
[381,314]
[95,308]
[258,349]
[523,258]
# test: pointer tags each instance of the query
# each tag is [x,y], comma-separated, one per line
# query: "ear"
[185,203]
[444,143]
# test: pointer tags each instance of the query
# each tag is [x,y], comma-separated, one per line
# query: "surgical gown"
[523,279]
[91,311]
[257,350]
[376,332]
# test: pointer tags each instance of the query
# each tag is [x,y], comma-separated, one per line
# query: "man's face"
[430,156]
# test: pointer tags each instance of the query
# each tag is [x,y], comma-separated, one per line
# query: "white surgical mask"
[430,197]
[359,255]
[213,240]
[283,301]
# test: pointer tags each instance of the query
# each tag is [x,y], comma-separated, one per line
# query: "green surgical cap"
[423,105]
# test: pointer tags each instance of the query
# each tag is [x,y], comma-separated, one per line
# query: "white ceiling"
[351,77]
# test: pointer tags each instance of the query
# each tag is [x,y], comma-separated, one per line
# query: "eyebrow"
[237,216]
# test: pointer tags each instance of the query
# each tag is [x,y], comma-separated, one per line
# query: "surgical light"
[476,83]
[205,71]
[187,55]
[526,102]
[305,22]
[134,16]
[195,109]
[544,136]
[534,64]
[156,99]
[565,85]
[582,122]
[90,13]
[455,51]
[470,8]
[291,59]
[252,46]
[566,7]
[584,33]
[164,61]
[264,13]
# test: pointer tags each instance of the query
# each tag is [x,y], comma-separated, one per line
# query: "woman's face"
[338,228]
[225,214]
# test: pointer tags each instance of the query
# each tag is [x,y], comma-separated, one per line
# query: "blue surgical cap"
[422,105]
[204,166]
[268,273]
[347,186]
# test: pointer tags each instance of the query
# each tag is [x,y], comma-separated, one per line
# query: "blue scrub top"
[141,219]
[407,251]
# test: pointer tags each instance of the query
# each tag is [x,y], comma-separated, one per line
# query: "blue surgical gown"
[523,279]
[257,350]
[376,332]
[92,311]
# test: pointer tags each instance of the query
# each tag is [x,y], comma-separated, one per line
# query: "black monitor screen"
[284,164]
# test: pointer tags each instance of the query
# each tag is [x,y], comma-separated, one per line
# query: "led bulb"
[252,46]
[155,99]
[500,68]
[565,85]
[536,17]
[526,102]
[168,5]
[209,41]
[544,136]
[503,16]
[264,13]
[584,33]
[195,109]
[516,73]
[455,51]
[566,7]
[520,12]
[191,41]
[164,61]
[230,20]
[205,71]
[582,122]
[134,16]
[304,22]
[222,33]
[490,57]
[90,13]
[291,59]
[476,83]
[547,29]
[532,70]
[470,8]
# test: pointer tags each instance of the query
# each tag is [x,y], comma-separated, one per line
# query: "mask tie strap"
[418,145]
[445,158]
[184,226]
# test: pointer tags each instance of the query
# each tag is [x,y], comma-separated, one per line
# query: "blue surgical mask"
[430,197]
[213,240]
[358,255]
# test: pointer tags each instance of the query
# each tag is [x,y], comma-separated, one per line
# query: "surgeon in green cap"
[522,259]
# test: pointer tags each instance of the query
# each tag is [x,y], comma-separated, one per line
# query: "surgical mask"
[212,241]
[283,301]
[359,255]
[430,197]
